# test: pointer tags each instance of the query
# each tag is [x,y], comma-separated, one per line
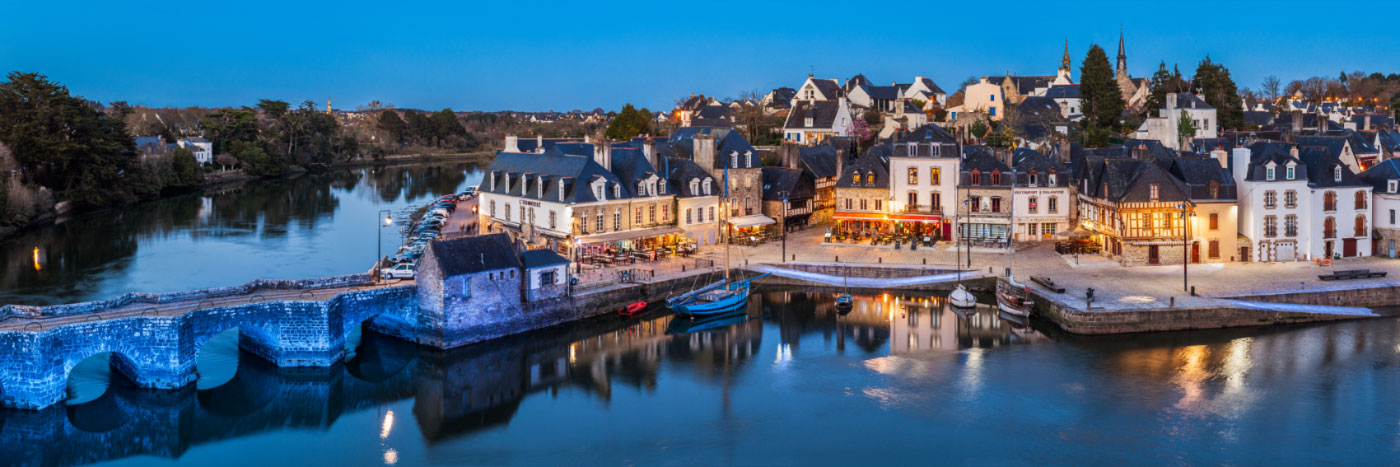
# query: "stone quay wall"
[160,351]
[1376,296]
[348,280]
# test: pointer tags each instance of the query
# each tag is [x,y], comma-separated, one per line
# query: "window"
[1214,249]
[855,178]
[848,204]
[707,187]
[734,157]
[1290,199]
[935,175]
[1270,199]
[1051,181]
[637,218]
[1153,192]
[935,200]
[617,191]
[1329,227]
[1329,201]
[688,216]
[1291,172]
[712,213]
[1053,204]
[651,214]
[1360,226]
[1214,221]
[552,223]
[747,208]
[1271,226]
[694,186]
[913,176]
[1032,179]
[1391,185]
[600,220]
[547,277]
[748,181]
[992,97]
[617,220]
[976,177]
[996,177]
[976,203]
[992,111]
[913,203]
[1337,173]
[1290,225]
[1360,199]
[863,207]
[1269,173]
[507,210]
[1392,217]
[1032,206]
[492,208]
[598,192]
[1214,189]
[665,212]
[661,187]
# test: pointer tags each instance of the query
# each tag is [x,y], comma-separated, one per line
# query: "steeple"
[1122,56]
[1064,62]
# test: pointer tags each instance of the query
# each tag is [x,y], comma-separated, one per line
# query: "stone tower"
[1062,76]
[1122,69]
[1064,62]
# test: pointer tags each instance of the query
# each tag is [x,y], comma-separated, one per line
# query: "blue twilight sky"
[559,56]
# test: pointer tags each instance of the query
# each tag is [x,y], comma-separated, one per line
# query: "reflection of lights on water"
[388,425]
[391,456]
[1191,374]
[573,356]
[37,265]
[784,355]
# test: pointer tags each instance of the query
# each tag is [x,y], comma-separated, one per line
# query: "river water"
[292,228]
[901,378]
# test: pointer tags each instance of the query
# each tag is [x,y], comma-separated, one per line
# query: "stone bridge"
[154,339]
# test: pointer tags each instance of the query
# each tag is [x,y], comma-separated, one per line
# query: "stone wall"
[349,280]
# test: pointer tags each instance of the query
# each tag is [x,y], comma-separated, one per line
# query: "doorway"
[1152,257]
[1195,252]
[1349,247]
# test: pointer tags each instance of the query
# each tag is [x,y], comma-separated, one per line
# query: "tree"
[1161,81]
[1102,100]
[1271,88]
[971,80]
[627,124]
[1213,81]
[390,123]
[1185,130]
[978,129]
[273,109]
[225,161]
[65,142]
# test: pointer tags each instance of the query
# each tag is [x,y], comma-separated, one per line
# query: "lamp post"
[784,227]
[379,240]
[1185,247]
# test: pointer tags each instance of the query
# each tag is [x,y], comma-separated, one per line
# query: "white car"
[398,271]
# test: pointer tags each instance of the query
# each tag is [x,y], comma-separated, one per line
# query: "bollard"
[1193,291]
[794,256]
[1172,303]
[882,260]
[926,261]
[838,259]
[682,268]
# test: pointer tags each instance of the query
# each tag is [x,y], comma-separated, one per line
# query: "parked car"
[398,271]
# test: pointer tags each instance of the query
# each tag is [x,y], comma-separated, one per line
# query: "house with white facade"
[1275,202]
[202,149]
[811,122]
[1163,126]
[1341,202]
[1067,97]
[1042,196]
[1384,179]
[923,89]
[923,167]
[697,200]
[817,89]
[982,97]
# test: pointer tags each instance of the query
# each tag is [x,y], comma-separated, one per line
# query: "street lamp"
[784,224]
[1185,246]
[379,241]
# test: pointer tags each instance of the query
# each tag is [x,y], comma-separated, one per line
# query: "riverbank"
[235,177]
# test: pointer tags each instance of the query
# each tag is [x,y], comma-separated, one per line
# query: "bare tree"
[1271,87]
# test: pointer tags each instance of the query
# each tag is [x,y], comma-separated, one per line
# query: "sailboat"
[1009,300]
[961,297]
[844,302]
[721,297]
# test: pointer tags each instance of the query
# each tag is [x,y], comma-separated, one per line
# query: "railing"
[921,209]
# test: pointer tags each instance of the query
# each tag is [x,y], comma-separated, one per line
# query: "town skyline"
[443,63]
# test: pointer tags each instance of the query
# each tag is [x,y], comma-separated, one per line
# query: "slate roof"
[823,114]
[469,255]
[1037,112]
[1333,144]
[1023,84]
[679,173]
[819,160]
[578,171]
[541,258]
[528,144]
[857,81]
[984,162]
[875,160]
[1263,152]
[1320,162]
[630,165]
[1206,145]
[827,88]
[1199,173]
[1063,91]
[1258,117]
[1187,100]
[1382,121]
[1130,181]
[882,92]
[1379,174]
[1027,159]
[925,134]
[928,83]
[795,182]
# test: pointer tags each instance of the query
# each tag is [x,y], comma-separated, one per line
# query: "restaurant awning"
[897,217]
[751,221]
[629,235]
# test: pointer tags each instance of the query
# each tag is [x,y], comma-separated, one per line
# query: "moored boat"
[962,298]
[844,303]
[633,309]
[1013,303]
[733,297]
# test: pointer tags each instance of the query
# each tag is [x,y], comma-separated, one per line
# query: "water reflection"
[894,372]
[287,228]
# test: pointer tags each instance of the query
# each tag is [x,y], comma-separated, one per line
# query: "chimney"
[587,139]
[1171,100]
[539,144]
[602,154]
[512,144]
[1297,121]
[1064,146]
[1240,162]
[704,153]
[1293,151]
[1221,156]
[649,152]
[842,152]
[1366,123]
[788,154]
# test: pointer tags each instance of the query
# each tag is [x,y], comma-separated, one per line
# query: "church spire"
[1122,68]
[1064,62]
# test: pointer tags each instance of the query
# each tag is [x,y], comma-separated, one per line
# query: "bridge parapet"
[130,298]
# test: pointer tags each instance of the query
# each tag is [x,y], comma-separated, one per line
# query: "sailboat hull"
[731,303]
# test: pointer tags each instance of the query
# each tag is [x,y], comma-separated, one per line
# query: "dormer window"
[870,178]
[661,186]
[1337,173]
[1269,173]
[617,191]
[561,190]
[808,123]
[1051,181]
[1032,178]
[1214,189]
[748,159]
[855,178]
[641,188]
[707,186]
[694,185]
[1290,173]
[734,159]
[1390,185]
[598,191]
[1154,192]
[493,182]
[976,178]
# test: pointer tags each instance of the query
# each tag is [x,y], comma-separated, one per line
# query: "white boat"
[961,298]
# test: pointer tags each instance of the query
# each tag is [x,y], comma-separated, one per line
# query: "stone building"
[1134,209]
[546,275]
[788,196]
[1043,197]
[470,281]
[984,192]
[697,200]
[1134,90]
[863,191]
[823,163]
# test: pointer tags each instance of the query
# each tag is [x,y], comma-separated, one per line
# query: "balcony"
[920,209]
